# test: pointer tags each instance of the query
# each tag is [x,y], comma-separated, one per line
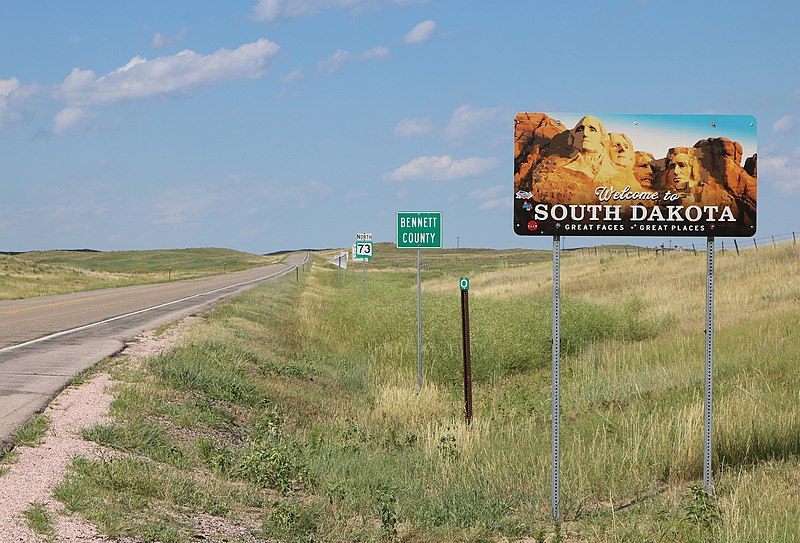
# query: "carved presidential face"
[589,135]
[622,153]
[643,168]
[679,170]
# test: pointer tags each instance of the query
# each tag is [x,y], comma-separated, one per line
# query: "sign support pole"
[419,321]
[707,420]
[556,387]
[364,284]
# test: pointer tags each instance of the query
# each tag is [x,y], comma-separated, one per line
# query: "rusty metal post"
[737,247]
[466,345]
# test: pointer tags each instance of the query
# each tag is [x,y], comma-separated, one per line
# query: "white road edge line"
[112,319]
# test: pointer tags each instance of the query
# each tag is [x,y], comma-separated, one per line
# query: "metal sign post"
[419,230]
[707,477]
[364,284]
[556,388]
[419,321]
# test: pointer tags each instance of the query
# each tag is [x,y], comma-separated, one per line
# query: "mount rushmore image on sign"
[634,175]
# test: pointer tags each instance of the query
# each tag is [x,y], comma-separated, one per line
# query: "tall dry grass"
[632,378]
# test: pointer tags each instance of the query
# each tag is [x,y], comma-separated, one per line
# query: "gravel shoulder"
[39,469]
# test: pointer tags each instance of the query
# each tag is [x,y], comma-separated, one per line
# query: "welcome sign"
[635,175]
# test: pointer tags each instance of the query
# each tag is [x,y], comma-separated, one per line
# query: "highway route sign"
[363,248]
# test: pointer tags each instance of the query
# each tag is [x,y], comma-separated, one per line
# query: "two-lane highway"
[44,341]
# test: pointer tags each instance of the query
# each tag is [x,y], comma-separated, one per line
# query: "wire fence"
[721,245]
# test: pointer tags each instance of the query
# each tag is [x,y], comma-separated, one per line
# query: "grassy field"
[40,273]
[293,412]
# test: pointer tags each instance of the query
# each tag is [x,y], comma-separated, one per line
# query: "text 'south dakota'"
[612,213]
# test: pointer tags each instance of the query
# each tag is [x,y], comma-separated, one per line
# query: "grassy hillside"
[40,273]
[309,399]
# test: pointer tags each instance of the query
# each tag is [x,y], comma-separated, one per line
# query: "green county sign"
[419,229]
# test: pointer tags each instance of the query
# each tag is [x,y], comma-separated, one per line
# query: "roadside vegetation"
[292,413]
[32,433]
[40,273]
[40,521]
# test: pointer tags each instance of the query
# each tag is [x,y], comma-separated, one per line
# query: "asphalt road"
[45,341]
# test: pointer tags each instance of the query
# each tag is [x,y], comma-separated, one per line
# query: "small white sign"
[363,249]
[364,236]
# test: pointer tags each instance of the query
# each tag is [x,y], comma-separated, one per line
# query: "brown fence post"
[737,247]
[464,286]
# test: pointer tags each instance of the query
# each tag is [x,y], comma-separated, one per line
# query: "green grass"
[39,520]
[32,433]
[154,497]
[151,261]
[306,399]
[40,273]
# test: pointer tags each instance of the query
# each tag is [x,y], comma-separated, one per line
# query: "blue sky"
[281,124]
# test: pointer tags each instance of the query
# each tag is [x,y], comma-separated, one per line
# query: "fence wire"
[721,245]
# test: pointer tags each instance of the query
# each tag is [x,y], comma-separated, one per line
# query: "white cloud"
[333,64]
[503,203]
[442,168]
[485,194]
[783,170]
[160,41]
[421,32]
[489,197]
[271,10]
[13,96]
[409,128]
[467,120]
[7,88]
[142,78]
[295,76]
[68,118]
[784,124]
